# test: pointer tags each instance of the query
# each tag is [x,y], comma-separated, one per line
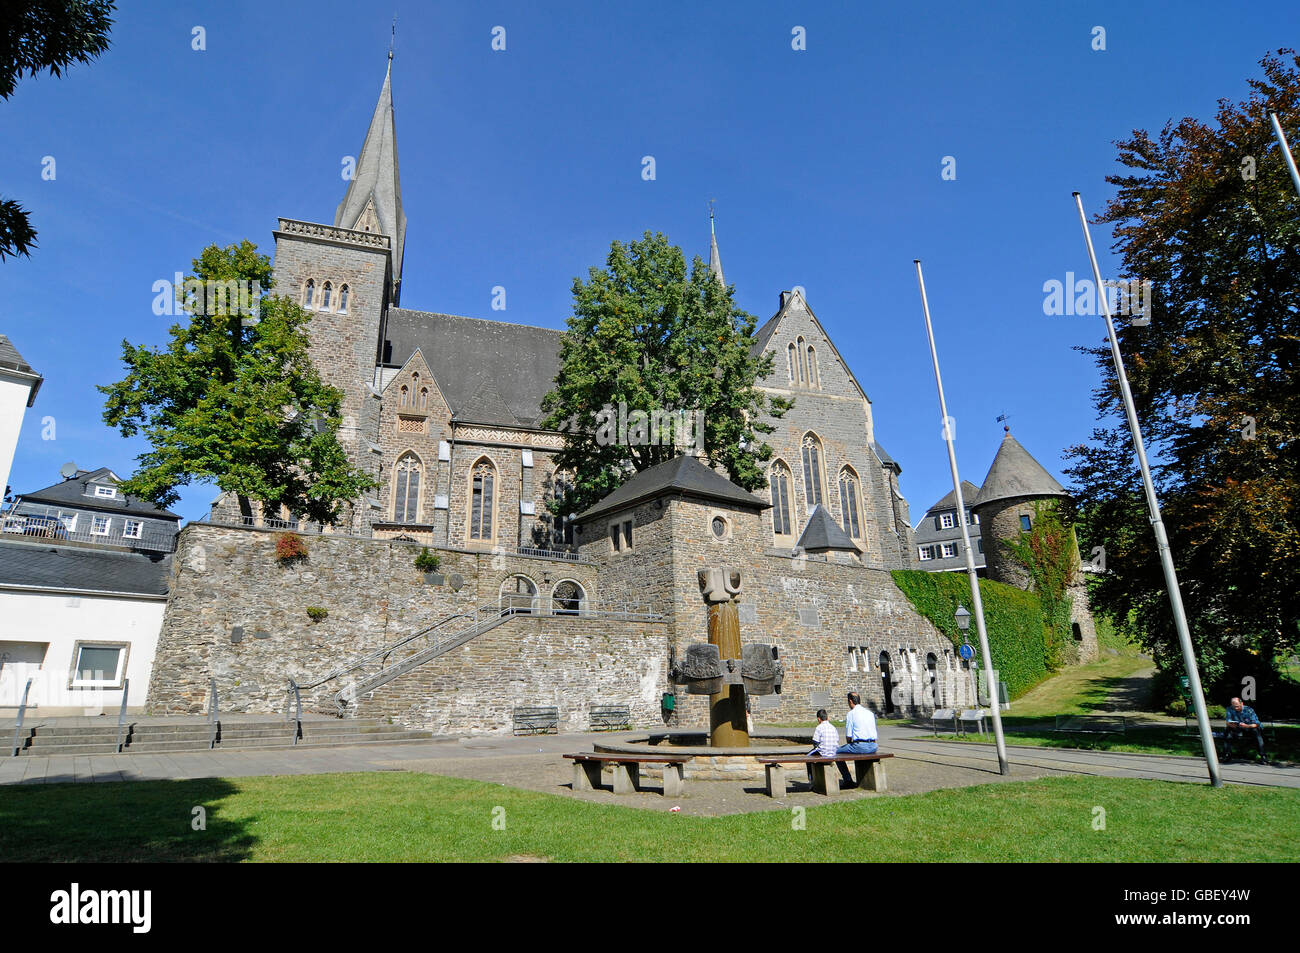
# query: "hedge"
[1013,617]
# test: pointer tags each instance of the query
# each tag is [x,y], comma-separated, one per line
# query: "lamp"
[962,617]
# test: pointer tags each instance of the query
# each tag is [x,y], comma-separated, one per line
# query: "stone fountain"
[728,672]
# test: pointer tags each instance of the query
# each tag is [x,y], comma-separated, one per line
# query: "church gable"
[804,359]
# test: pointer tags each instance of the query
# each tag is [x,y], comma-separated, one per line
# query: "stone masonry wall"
[570,663]
[227,578]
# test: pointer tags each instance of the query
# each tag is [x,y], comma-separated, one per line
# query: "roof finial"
[1002,419]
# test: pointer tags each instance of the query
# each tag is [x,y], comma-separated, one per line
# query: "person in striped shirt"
[826,740]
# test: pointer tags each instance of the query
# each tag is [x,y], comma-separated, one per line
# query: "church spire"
[715,260]
[373,201]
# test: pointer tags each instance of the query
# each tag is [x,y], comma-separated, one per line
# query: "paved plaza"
[920,764]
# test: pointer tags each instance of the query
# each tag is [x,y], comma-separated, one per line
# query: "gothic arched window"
[812,469]
[406,489]
[309,295]
[424,398]
[802,355]
[327,293]
[779,483]
[814,378]
[482,499]
[850,496]
[343,300]
[789,358]
[404,395]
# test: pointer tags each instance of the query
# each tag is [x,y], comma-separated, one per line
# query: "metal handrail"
[297,722]
[121,713]
[486,617]
[22,713]
[212,713]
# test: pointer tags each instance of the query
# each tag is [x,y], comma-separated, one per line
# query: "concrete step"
[102,748]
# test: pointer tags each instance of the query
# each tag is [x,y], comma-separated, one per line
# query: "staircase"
[168,736]
[374,669]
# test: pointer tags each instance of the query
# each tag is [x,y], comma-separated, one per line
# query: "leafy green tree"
[234,398]
[38,35]
[649,336]
[1209,215]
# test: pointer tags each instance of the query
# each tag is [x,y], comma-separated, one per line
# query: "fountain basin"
[714,764]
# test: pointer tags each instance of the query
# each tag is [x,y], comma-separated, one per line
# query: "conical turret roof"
[1016,473]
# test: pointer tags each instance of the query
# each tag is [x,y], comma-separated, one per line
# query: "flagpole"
[1286,150]
[1157,524]
[991,674]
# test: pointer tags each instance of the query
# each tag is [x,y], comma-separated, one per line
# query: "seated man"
[860,729]
[826,740]
[1242,721]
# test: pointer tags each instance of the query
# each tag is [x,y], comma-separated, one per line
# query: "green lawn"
[1144,739]
[398,816]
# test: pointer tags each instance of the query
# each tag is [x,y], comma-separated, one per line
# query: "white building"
[18,387]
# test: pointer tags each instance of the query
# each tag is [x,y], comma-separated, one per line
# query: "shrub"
[427,561]
[317,613]
[290,548]
[1013,617]
[1215,711]
[1177,707]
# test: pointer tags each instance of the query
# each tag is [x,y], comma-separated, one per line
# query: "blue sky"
[519,168]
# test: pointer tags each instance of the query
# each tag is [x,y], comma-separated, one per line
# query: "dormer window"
[106,492]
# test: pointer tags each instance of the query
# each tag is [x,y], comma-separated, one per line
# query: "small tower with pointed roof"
[1005,507]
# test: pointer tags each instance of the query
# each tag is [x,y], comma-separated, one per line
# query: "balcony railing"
[55,531]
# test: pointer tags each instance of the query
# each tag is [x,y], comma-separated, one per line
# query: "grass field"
[398,816]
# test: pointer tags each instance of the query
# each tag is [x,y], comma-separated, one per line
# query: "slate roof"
[71,493]
[48,566]
[520,362]
[378,177]
[968,493]
[11,360]
[684,475]
[883,456]
[822,533]
[1015,473]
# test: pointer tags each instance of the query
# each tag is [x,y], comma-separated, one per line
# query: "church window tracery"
[309,294]
[850,494]
[326,294]
[812,469]
[406,489]
[343,300]
[482,500]
[779,483]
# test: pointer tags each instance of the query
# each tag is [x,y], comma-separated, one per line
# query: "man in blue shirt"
[1242,719]
[860,731]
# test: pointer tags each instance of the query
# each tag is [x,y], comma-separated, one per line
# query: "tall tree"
[1209,216]
[234,397]
[648,338]
[38,35]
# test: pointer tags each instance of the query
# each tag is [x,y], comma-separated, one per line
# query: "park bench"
[536,720]
[611,718]
[1090,724]
[945,718]
[627,771]
[868,768]
[973,716]
[1220,725]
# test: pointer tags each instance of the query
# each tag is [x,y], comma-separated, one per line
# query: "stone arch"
[518,595]
[886,679]
[568,597]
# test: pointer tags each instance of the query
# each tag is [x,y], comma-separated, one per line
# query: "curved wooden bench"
[867,767]
[627,771]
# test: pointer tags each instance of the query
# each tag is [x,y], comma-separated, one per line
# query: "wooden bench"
[1090,724]
[825,778]
[611,718]
[627,771]
[536,720]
